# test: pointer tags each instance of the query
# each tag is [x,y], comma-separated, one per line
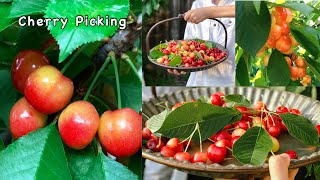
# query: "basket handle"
[181,16]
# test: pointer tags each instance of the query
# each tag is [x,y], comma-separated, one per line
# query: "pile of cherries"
[47,91]
[223,141]
[281,39]
[186,50]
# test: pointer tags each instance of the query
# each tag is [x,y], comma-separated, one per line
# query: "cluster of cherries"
[224,140]
[186,49]
[47,91]
[281,39]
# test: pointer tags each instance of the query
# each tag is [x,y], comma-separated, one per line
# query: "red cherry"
[153,136]
[215,99]
[295,111]
[227,127]
[272,120]
[245,116]
[199,157]
[24,64]
[146,133]
[285,29]
[223,143]
[274,130]
[154,145]
[238,132]
[242,124]
[282,109]
[219,94]
[182,156]
[318,128]
[175,144]
[292,154]
[166,52]
[116,127]
[234,139]
[167,151]
[216,154]
[221,135]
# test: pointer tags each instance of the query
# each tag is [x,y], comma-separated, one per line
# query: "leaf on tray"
[301,128]
[253,147]
[198,55]
[237,100]
[204,99]
[182,121]
[155,54]
[156,121]
[175,61]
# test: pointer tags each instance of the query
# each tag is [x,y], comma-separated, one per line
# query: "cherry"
[167,151]
[276,144]
[318,128]
[166,52]
[245,116]
[227,127]
[297,72]
[295,111]
[78,124]
[199,157]
[300,62]
[24,119]
[154,145]
[219,94]
[185,143]
[258,122]
[274,130]
[272,120]
[242,124]
[182,156]
[216,154]
[47,90]
[215,99]
[234,139]
[24,64]
[285,30]
[153,136]
[281,110]
[223,143]
[238,132]
[177,105]
[275,32]
[289,16]
[221,135]
[175,145]
[271,43]
[289,62]
[292,154]
[115,130]
[283,44]
[146,133]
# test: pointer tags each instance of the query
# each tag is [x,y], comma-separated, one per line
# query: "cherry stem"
[199,137]
[128,60]
[190,137]
[72,59]
[272,153]
[229,148]
[106,62]
[114,63]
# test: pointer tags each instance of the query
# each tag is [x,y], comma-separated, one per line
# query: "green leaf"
[71,37]
[198,54]
[38,155]
[257,6]
[5,21]
[30,7]
[180,124]
[84,164]
[301,7]
[32,37]
[301,128]
[135,164]
[8,96]
[278,70]
[242,74]
[131,88]
[307,37]
[316,169]
[253,147]
[1,145]
[156,121]
[252,29]
[204,99]
[209,44]
[78,66]
[175,61]
[7,53]
[237,100]
[314,66]
[5,0]
[155,54]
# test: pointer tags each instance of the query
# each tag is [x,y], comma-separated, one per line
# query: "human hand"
[176,72]
[278,167]
[197,15]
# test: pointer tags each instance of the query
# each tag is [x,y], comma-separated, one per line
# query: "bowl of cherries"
[188,55]
[230,132]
